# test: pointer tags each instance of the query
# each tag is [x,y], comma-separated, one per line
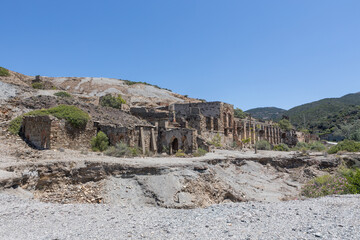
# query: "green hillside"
[266,113]
[310,114]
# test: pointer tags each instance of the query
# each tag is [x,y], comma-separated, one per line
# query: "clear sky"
[251,53]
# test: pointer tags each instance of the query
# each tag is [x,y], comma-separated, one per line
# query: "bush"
[38,85]
[240,113]
[281,147]
[285,125]
[111,101]
[62,94]
[4,72]
[216,141]
[246,140]
[122,150]
[15,125]
[301,145]
[346,145]
[326,185]
[180,153]
[353,177]
[317,146]
[200,152]
[73,115]
[100,143]
[263,145]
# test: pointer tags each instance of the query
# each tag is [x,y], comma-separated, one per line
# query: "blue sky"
[249,53]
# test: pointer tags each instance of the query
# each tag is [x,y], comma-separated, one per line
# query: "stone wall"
[36,130]
[143,137]
[178,138]
[48,132]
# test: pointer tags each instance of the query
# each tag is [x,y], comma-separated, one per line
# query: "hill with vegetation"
[307,115]
[266,113]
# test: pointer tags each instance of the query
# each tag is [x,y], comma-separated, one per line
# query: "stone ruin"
[185,126]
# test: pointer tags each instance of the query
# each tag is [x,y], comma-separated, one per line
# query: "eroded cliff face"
[223,176]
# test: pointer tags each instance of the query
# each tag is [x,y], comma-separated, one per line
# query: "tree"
[285,125]
[240,113]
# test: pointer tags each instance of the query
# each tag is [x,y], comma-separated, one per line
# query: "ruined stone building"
[185,126]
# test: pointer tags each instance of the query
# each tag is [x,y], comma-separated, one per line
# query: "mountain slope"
[306,114]
[266,113]
[135,93]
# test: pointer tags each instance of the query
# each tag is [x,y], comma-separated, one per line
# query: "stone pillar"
[153,145]
[273,135]
[265,133]
[253,133]
[279,136]
[244,133]
[211,124]
[270,135]
[142,140]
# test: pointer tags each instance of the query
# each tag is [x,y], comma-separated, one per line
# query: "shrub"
[38,85]
[281,147]
[122,150]
[73,115]
[353,177]
[263,145]
[63,94]
[15,125]
[326,185]
[240,113]
[216,140]
[285,124]
[180,153]
[246,140]
[200,152]
[4,72]
[301,145]
[100,142]
[317,146]
[346,145]
[111,101]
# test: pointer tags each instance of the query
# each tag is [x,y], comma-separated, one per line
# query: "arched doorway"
[174,146]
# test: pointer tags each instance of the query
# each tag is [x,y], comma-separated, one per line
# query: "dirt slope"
[138,94]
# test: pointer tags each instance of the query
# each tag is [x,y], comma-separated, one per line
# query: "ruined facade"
[185,126]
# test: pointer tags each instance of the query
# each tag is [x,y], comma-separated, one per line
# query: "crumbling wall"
[143,137]
[185,138]
[64,135]
[36,130]
[48,132]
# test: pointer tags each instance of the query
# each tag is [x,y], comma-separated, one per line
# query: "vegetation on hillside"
[346,145]
[73,115]
[326,115]
[128,82]
[63,94]
[345,181]
[110,101]
[38,85]
[4,72]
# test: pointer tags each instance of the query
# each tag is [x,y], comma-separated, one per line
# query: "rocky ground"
[67,194]
[336,217]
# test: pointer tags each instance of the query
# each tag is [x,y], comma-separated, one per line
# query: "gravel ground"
[335,217]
